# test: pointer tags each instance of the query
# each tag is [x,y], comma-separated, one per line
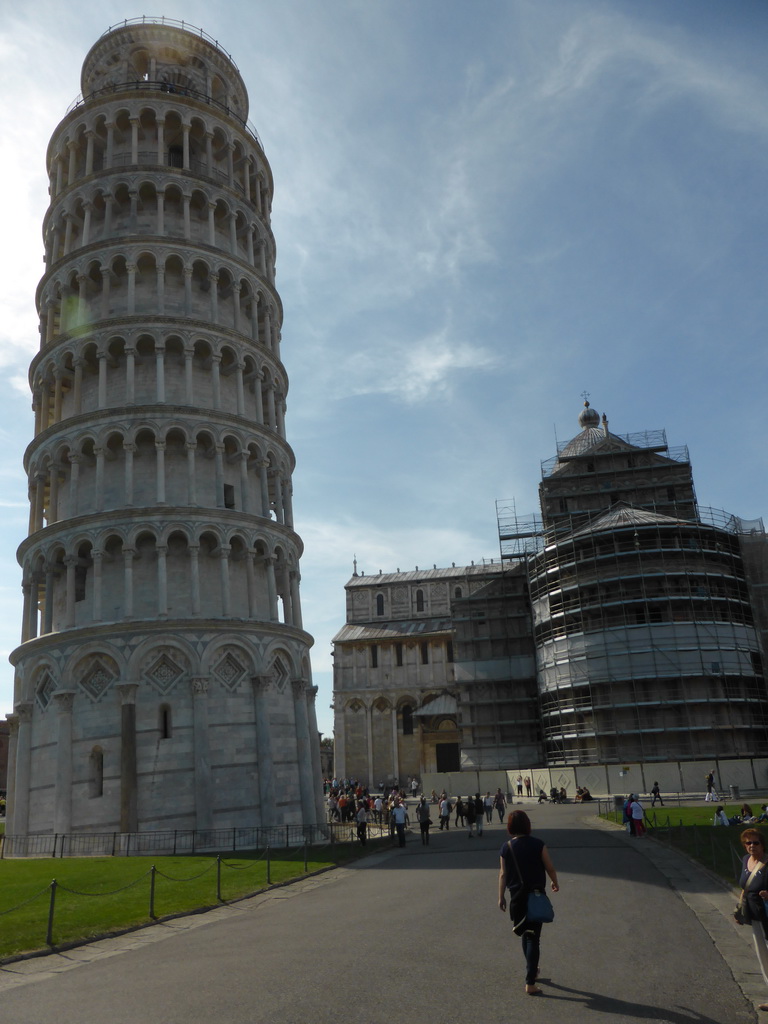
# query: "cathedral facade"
[163,679]
[624,623]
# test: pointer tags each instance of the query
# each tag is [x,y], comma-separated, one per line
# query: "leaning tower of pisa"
[163,676]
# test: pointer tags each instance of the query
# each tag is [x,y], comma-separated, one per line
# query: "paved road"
[416,936]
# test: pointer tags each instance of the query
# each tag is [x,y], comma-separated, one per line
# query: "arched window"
[419,600]
[164,722]
[407,713]
[96,772]
[457,592]
[379,604]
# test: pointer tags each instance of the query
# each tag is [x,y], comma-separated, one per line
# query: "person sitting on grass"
[721,818]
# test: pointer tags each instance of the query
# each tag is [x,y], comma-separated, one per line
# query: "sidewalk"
[710,899]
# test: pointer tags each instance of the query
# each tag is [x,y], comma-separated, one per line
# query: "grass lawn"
[96,895]
[690,830]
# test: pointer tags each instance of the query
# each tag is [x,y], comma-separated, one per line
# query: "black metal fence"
[181,841]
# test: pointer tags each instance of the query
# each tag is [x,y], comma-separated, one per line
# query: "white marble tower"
[163,678]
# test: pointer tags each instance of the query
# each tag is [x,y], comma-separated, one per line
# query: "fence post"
[234,839]
[175,834]
[49,933]
[287,838]
[306,850]
[712,844]
[152,892]
[269,868]
[218,878]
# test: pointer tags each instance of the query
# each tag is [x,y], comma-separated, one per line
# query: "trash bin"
[735,794]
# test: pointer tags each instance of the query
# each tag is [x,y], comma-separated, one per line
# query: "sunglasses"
[753,842]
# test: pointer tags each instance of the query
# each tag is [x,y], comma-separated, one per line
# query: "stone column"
[102,357]
[194,566]
[53,497]
[225,590]
[340,744]
[160,471]
[97,566]
[293,583]
[202,759]
[50,576]
[185,147]
[77,396]
[129,450]
[395,751]
[129,810]
[62,815]
[13,738]
[74,460]
[71,563]
[189,353]
[314,747]
[250,577]
[264,483]
[216,377]
[162,581]
[128,556]
[98,451]
[191,447]
[303,751]
[262,686]
[269,562]
[240,388]
[23,768]
[369,742]
[245,503]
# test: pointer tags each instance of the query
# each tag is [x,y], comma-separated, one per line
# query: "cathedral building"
[163,677]
[624,624]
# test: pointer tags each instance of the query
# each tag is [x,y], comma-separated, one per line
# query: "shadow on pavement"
[621,1008]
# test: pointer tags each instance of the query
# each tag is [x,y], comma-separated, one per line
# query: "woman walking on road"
[754,882]
[524,863]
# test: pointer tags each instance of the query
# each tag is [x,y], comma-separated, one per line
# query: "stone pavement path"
[415,935]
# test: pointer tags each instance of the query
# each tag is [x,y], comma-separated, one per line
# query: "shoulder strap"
[514,858]
[756,871]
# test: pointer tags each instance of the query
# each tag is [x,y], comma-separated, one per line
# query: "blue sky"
[482,208]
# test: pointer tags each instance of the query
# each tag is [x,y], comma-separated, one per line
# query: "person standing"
[398,820]
[362,823]
[711,791]
[527,783]
[519,782]
[637,814]
[499,803]
[445,813]
[469,814]
[656,794]
[414,787]
[479,810]
[754,885]
[424,820]
[488,805]
[459,812]
[524,864]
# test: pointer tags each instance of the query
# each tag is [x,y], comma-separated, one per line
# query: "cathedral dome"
[588,417]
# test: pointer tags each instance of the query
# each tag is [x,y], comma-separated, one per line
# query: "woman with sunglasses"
[754,882]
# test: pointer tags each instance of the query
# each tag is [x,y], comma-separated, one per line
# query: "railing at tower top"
[174,23]
[143,85]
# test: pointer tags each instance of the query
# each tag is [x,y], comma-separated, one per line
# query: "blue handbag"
[540,909]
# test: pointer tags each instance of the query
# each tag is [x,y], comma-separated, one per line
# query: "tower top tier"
[165,53]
